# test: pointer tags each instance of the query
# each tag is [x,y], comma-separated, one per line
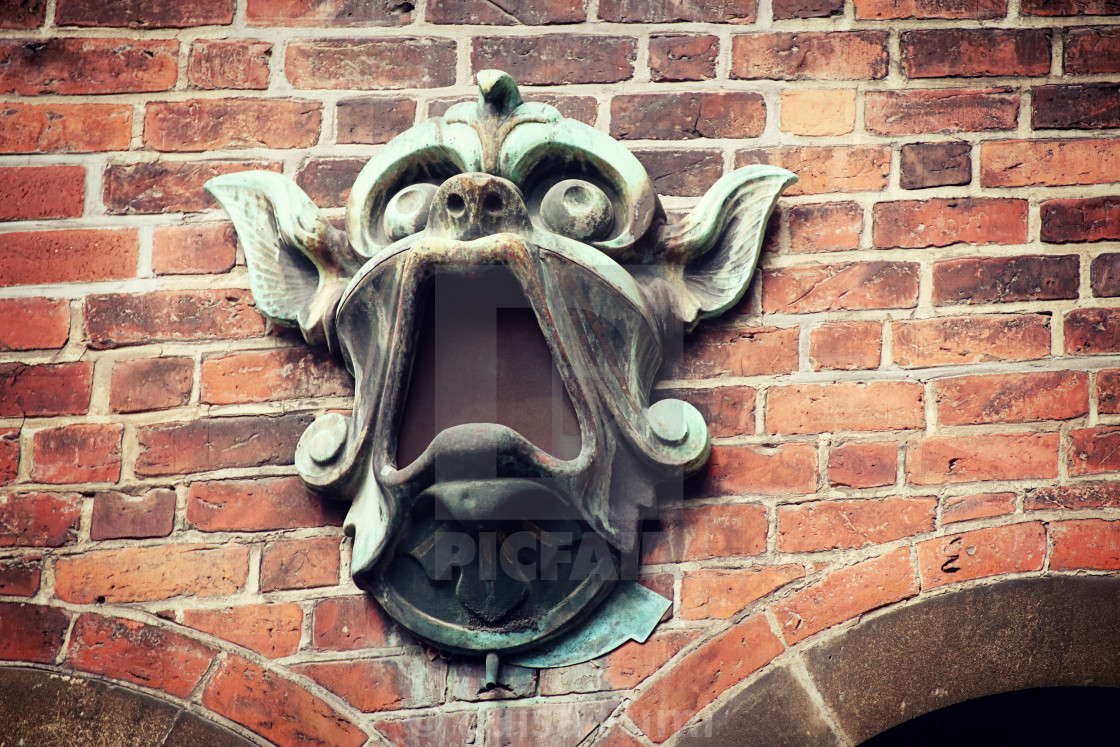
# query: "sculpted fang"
[495,508]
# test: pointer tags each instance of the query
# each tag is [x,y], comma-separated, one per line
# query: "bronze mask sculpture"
[496,501]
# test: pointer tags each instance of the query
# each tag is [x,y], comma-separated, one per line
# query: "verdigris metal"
[505,521]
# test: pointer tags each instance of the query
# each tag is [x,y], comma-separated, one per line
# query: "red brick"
[728,410]
[1094,450]
[784,9]
[194,249]
[437,728]
[670,11]
[1012,398]
[970,339]
[1049,163]
[681,173]
[259,505]
[64,128]
[122,319]
[77,256]
[1108,391]
[511,12]
[167,187]
[925,165]
[818,111]
[76,66]
[847,593]
[789,469]
[229,63]
[1091,50]
[374,120]
[948,110]
[840,525]
[151,14]
[139,653]
[976,52]
[218,443]
[825,227]
[9,454]
[684,116]
[984,552]
[82,452]
[1069,8]
[26,14]
[39,519]
[277,709]
[616,737]
[720,594]
[39,192]
[375,685]
[978,506]
[1085,107]
[300,564]
[811,55]
[215,124]
[371,64]
[909,224]
[260,376]
[1092,331]
[33,323]
[560,724]
[1075,496]
[622,669]
[863,465]
[714,352]
[352,623]
[704,675]
[150,384]
[676,57]
[898,9]
[557,59]
[845,346]
[973,280]
[29,632]
[734,530]
[45,390]
[1091,544]
[19,576]
[317,13]
[844,287]
[821,170]
[269,629]
[941,460]
[1092,219]
[119,515]
[583,108]
[327,181]
[870,406]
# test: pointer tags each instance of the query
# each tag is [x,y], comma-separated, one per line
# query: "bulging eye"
[577,209]
[407,212]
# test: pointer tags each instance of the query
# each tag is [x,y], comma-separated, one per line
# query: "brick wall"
[920,391]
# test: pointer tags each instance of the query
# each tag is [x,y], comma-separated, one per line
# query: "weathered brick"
[1091,50]
[41,192]
[685,116]
[81,452]
[855,406]
[1092,331]
[122,319]
[30,632]
[941,110]
[511,12]
[970,339]
[978,506]
[849,286]
[300,564]
[840,525]
[69,66]
[371,64]
[1108,391]
[25,14]
[819,111]
[139,653]
[269,629]
[217,443]
[143,574]
[373,120]
[898,9]
[9,454]
[33,323]
[229,63]
[1032,277]
[259,505]
[1094,450]
[20,576]
[352,623]
[75,256]
[675,57]
[702,676]
[845,346]
[1075,496]
[194,249]
[682,173]
[825,227]
[849,168]
[214,124]
[863,465]
[64,128]
[725,531]
[909,224]
[1092,544]
[119,515]
[150,14]
[810,55]
[720,594]
[583,108]
[277,709]
[1012,398]
[984,552]
[1069,8]
[39,519]
[327,181]
[1077,220]
[150,384]
[167,187]
[1085,107]
[337,13]
[45,390]
[715,352]
[728,410]
[437,728]
[671,11]
[259,376]
[785,9]
[926,165]
[624,668]
[790,469]
[940,460]
[975,52]
[375,685]
[1049,163]
[561,724]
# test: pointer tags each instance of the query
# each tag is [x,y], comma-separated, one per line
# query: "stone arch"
[923,655]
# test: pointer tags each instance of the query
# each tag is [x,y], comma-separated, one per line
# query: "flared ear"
[298,262]
[718,243]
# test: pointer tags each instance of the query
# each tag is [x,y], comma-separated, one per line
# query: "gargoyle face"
[502,296]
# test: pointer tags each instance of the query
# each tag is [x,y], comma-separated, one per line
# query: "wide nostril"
[492,204]
[456,205]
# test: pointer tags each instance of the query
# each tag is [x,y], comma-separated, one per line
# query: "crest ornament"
[502,295]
